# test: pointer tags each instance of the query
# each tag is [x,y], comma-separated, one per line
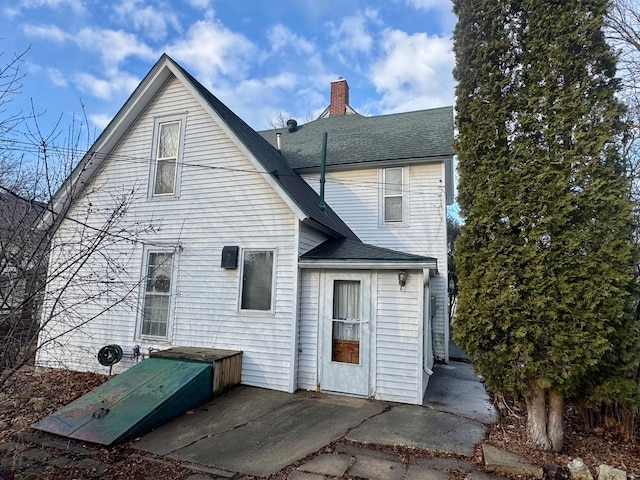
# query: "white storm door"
[346,334]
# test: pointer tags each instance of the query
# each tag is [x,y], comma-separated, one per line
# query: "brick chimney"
[339,97]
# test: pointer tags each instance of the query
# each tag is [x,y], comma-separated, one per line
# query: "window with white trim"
[256,289]
[158,292]
[393,195]
[168,139]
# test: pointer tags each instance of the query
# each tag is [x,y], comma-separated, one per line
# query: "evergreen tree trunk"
[555,420]
[545,418]
[537,418]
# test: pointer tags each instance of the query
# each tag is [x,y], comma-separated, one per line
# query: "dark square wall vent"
[230,257]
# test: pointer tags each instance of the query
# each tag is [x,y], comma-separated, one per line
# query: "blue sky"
[258,56]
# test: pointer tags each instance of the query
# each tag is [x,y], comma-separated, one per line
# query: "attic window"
[167,158]
[167,152]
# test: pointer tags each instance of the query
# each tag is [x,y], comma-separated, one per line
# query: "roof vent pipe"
[292,125]
[279,141]
[323,167]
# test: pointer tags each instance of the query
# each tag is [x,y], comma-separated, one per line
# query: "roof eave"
[88,166]
[395,162]
[431,264]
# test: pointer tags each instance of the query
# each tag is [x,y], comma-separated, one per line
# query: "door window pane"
[346,322]
[257,280]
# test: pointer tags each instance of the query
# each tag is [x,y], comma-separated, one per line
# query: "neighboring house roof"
[341,252]
[286,182]
[19,218]
[357,140]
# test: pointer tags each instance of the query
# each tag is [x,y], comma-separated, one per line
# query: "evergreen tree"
[544,259]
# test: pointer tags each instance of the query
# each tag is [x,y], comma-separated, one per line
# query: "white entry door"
[346,334]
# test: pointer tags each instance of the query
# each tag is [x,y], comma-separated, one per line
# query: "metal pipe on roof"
[279,141]
[323,166]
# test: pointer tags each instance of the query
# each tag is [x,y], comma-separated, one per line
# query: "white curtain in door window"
[346,306]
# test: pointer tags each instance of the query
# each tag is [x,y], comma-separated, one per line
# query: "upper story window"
[167,153]
[393,195]
[257,280]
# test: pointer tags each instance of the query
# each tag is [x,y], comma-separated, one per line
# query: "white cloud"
[48,32]
[442,10]
[100,120]
[414,71]
[115,83]
[282,38]
[214,51]
[154,22]
[351,36]
[203,4]
[114,46]
[256,100]
[57,77]
[74,5]
[431,4]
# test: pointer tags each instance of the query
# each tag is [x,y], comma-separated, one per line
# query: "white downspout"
[427,328]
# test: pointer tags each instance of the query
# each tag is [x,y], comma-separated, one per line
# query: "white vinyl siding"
[353,196]
[398,369]
[223,201]
[309,239]
[308,329]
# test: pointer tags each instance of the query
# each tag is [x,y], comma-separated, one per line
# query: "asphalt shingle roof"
[356,139]
[298,190]
[355,251]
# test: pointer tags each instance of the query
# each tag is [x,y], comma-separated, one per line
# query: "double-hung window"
[156,312]
[393,195]
[165,171]
[257,280]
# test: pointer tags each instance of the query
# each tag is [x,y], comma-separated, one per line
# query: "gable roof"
[342,252]
[292,188]
[297,189]
[359,140]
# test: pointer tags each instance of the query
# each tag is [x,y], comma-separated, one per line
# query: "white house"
[229,238]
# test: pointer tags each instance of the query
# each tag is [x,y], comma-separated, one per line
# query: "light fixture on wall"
[402,279]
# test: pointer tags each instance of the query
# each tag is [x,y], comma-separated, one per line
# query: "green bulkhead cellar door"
[141,398]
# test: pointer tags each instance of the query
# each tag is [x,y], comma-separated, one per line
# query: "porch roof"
[345,252]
